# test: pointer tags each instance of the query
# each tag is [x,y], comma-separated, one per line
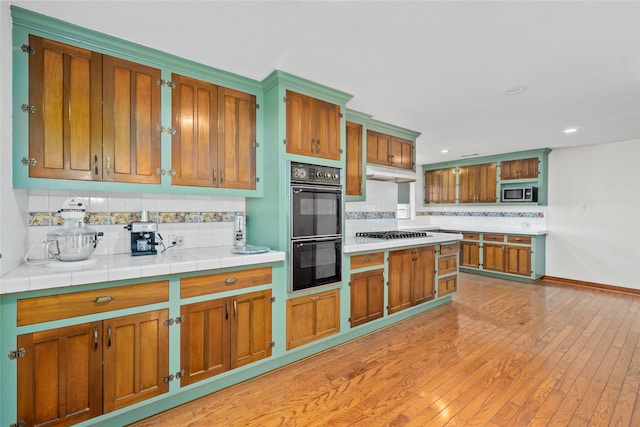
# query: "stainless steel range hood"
[381,173]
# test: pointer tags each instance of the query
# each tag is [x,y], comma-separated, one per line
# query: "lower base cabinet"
[312,317]
[412,277]
[224,334]
[74,373]
[367,296]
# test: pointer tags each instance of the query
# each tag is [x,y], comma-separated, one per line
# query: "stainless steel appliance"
[392,234]
[143,238]
[520,194]
[315,225]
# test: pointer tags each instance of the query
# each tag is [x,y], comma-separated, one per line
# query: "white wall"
[594,214]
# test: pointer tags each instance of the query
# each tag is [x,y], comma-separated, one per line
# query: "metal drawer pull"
[106,298]
[109,336]
[231,280]
[367,259]
[95,338]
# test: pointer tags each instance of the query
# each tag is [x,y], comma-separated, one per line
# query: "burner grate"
[392,234]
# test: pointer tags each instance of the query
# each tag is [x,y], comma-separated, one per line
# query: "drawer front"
[471,236]
[524,240]
[447,285]
[64,306]
[366,260]
[447,264]
[493,238]
[212,283]
[451,248]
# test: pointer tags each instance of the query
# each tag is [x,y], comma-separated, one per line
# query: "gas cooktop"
[392,234]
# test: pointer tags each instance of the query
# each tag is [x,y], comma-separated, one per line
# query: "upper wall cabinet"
[93,117]
[313,127]
[483,180]
[354,164]
[215,140]
[389,150]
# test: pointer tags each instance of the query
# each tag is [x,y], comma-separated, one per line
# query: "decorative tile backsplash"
[115,218]
[369,215]
[490,214]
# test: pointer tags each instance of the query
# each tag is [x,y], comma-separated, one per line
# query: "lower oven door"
[315,263]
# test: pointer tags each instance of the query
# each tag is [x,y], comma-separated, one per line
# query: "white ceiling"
[440,68]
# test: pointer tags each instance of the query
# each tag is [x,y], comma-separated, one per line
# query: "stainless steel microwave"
[520,194]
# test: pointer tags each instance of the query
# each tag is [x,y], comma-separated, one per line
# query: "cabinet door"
[131,115]
[486,183]
[136,358]
[354,160]
[467,178]
[312,317]
[326,130]
[194,109]
[367,296]
[236,139]
[378,148]
[401,153]
[60,375]
[518,169]
[469,254]
[493,257]
[65,130]
[440,186]
[205,341]
[400,278]
[518,260]
[251,328]
[299,124]
[424,274]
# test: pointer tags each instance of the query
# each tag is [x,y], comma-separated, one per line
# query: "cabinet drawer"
[525,240]
[366,260]
[447,264]
[471,236]
[447,285]
[212,283]
[451,248]
[64,306]
[493,237]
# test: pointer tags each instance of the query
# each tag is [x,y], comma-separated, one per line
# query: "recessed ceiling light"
[515,90]
[571,130]
[444,151]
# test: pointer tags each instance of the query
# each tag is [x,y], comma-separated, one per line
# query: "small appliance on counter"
[72,242]
[143,236]
[240,238]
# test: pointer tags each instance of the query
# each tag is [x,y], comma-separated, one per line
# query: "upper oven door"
[315,211]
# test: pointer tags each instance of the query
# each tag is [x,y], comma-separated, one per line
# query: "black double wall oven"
[316,226]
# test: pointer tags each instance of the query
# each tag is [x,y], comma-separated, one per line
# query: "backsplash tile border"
[369,215]
[37,219]
[486,214]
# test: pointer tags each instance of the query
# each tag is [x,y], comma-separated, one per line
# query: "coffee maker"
[143,237]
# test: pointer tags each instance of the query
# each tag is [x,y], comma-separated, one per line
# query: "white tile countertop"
[479,229]
[354,244]
[103,268]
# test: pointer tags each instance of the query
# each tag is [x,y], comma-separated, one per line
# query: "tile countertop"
[479,229]
[354,244]
[124,266]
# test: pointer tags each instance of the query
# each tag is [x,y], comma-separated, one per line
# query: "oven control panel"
[314,174]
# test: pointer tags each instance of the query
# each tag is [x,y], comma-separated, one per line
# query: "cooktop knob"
[327,175]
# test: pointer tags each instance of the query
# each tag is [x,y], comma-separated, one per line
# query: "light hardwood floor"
[501,353]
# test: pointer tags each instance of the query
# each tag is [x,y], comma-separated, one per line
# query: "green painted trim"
[394,130]
[358,117]
[507,276]
[541,152]
[308,87]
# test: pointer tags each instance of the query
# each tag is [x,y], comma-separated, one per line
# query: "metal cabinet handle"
[221,175]
[104,299]
[95,163]
[214,174]
[230,280]
[95,338]
[367,259]
[109,336]
[226,310]
[108,165]
[235,308]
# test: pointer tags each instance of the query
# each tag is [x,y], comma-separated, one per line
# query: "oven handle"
[297,189]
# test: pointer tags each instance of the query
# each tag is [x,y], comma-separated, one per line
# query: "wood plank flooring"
[502,353]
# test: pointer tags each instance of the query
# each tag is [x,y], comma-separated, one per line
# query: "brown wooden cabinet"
[519,169]
[354,164]
[215,140]
[94,116]
[411,277]
[312,126]
[224,334]
[518,260]
[493,257]
[131,115]
[389,150]
[470,250]
[367,296]
[478,183]
[78,372]
[440,186]
[312,317]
